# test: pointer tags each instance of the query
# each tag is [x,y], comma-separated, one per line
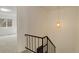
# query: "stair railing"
[37,44]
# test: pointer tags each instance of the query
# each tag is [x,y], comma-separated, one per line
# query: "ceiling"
[12,8]
[50,7]
[57,7]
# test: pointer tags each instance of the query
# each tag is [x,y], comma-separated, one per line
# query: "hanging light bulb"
[58,25]
[58,22]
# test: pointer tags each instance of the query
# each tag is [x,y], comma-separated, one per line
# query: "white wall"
[31,20]
[40,21]
[22,26]
[77,41]
[37,23]
[8,37]
[65,39]
[8,30]
[8,44]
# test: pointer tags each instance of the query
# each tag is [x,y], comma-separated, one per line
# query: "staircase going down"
[36,44]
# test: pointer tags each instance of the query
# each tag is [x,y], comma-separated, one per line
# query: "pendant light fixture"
[58,22]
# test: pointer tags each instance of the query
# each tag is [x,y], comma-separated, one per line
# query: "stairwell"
[36,44]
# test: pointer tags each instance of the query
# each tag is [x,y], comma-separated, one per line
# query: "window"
[5,22]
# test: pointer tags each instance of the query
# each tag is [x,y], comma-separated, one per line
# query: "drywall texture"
[31,20]
[8,44]
[22,20]
[65,38]
[41,21]
[77,41]
[8,38]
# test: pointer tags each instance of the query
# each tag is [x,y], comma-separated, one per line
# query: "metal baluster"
[47,45]
[27,41]
[32,43]
[38,42]
[51,49]
[54,50]
[42,45]
[35,44]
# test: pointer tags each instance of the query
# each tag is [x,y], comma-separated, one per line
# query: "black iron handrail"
[30,50]
[41,46]
[48,39]
[32,36]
